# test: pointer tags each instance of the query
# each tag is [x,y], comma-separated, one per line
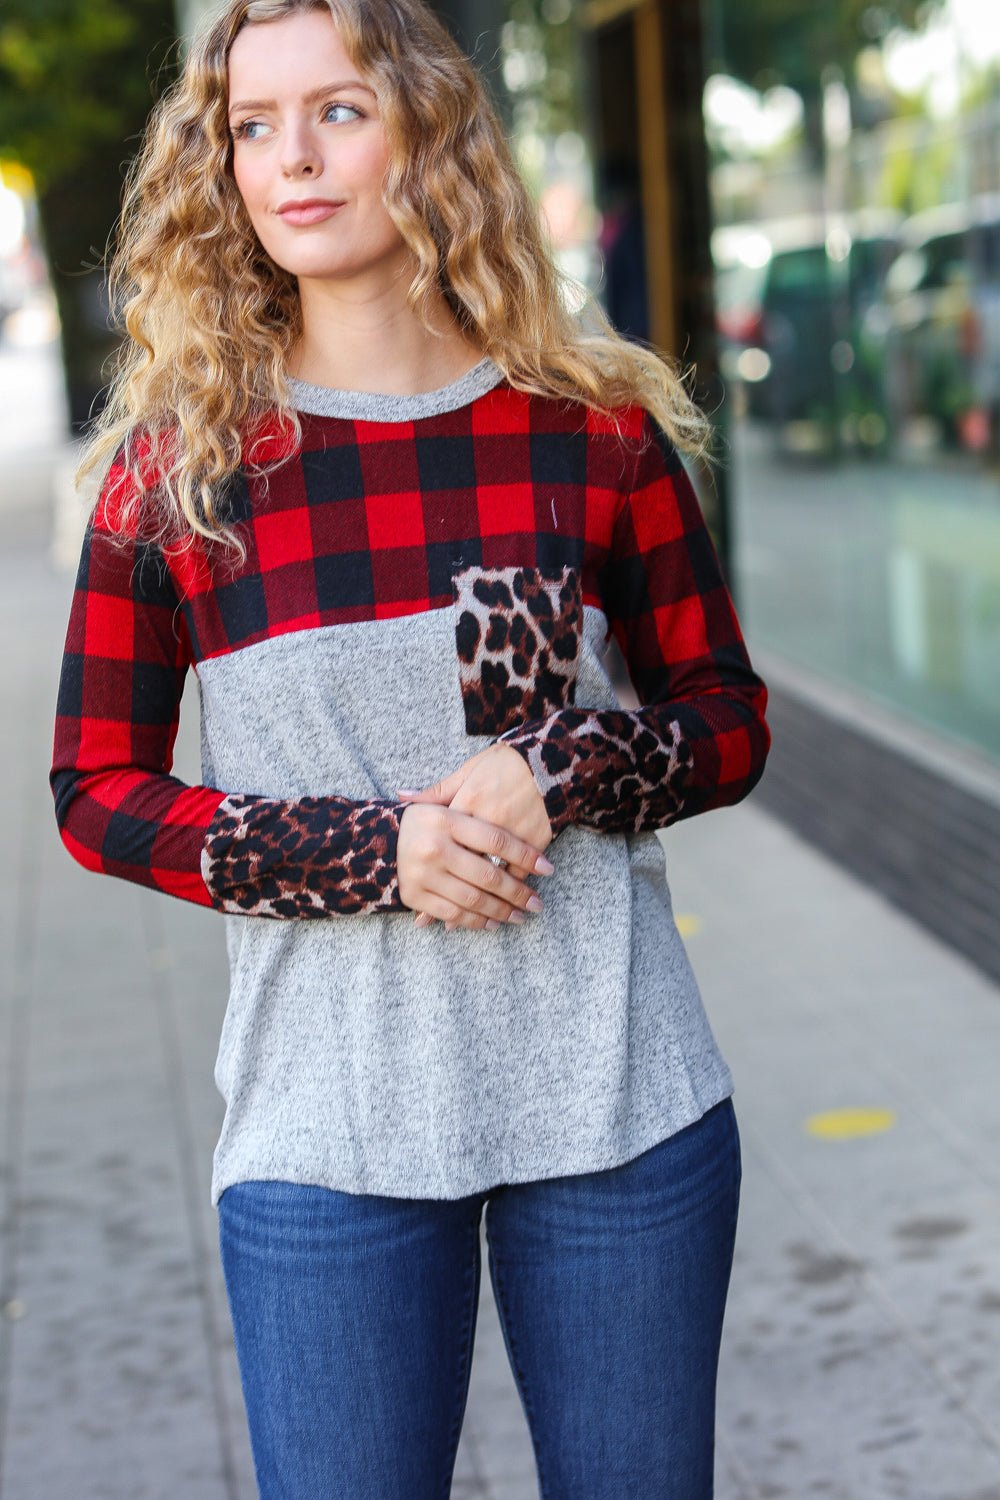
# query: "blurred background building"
[803,202]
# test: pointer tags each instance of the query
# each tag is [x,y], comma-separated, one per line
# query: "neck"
[368,339]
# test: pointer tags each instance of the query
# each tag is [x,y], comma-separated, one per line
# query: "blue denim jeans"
[354,1318]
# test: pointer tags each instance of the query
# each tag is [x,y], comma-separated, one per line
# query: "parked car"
[791,307]
[939,327]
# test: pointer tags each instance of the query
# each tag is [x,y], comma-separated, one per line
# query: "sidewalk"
[862,1348]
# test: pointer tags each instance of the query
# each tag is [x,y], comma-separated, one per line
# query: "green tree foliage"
[77,80]
[768,42]
[792,42]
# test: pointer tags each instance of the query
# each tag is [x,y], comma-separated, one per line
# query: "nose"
[299,154]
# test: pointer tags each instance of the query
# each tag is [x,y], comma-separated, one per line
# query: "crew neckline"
[376,406]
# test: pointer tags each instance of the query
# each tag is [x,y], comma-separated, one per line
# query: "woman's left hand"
[497,786]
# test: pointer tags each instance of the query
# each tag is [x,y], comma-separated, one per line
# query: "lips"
[307,210]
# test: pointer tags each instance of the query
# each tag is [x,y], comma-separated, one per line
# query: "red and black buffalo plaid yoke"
[366,521]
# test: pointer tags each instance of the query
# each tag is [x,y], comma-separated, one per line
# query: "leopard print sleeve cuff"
[312,857]
[614,770]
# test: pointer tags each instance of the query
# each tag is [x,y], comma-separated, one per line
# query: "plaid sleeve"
[119,810]
[700,739]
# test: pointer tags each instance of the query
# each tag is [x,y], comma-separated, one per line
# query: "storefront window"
[855,183]
[544,75]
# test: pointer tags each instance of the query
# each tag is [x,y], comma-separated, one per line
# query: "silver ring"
[495,859]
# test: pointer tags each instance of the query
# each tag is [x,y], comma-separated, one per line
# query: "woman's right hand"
[442,869]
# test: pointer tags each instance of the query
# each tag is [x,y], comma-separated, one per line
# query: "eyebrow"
[311,98]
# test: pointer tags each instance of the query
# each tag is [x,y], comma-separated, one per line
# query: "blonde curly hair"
[210,318]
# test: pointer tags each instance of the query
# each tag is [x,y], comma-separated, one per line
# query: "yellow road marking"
[688,925]
[845,1124]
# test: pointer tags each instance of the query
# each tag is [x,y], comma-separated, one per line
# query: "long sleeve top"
[424,575]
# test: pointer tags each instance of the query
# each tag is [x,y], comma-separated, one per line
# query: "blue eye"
[351,107]
[242,132]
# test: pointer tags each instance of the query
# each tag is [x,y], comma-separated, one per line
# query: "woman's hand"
[497,786]
[443,870]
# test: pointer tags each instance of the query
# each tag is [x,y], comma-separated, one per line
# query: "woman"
[391,502]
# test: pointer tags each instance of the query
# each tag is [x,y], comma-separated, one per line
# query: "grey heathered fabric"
[364,1054]
[373,406]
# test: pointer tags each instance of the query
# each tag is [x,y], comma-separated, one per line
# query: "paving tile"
[861,1352]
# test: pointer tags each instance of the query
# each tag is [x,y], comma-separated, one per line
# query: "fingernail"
[516,916]
[407,791]
[544,866]
[534,904]
[492,924]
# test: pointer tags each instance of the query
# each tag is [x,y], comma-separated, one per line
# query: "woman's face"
[307,136]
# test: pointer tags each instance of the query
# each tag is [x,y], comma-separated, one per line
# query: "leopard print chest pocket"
[518,632]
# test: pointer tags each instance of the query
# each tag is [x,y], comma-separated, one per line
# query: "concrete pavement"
[862,1346]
